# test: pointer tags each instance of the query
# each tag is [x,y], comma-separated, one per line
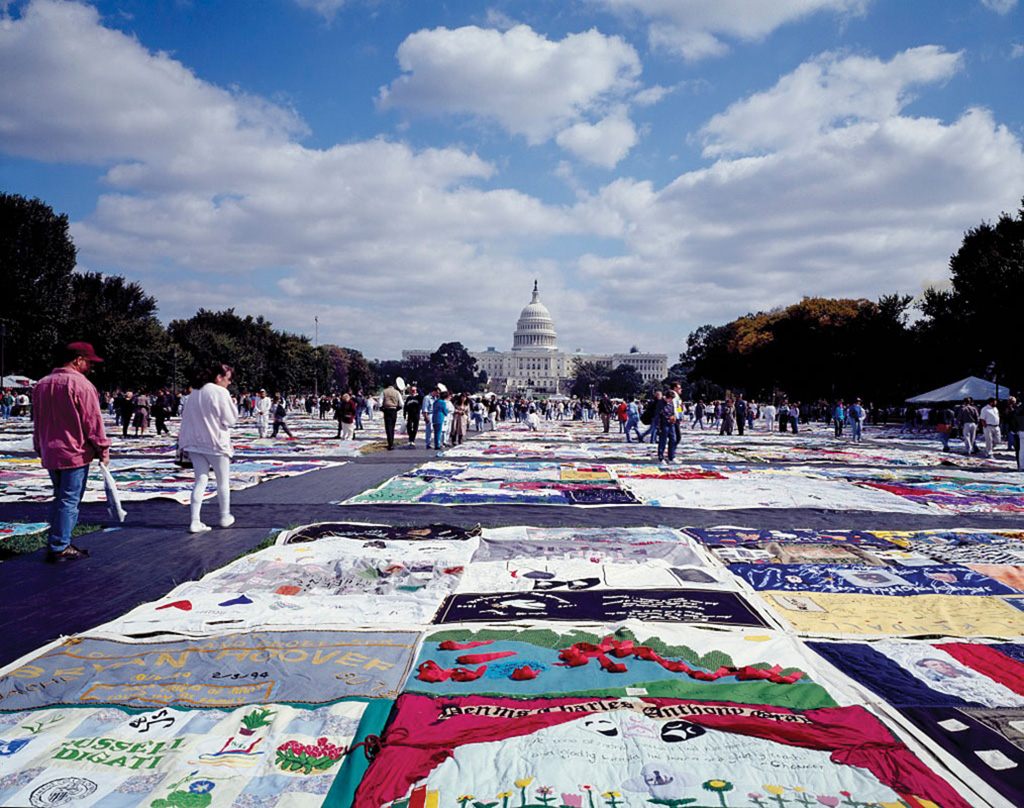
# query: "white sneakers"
[199,527]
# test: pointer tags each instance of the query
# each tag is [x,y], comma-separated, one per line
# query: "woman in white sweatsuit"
[206,435]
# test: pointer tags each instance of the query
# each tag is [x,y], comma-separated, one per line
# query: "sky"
[389,174]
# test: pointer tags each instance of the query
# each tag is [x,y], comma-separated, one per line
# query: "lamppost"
[174,379]
[3,354]
[316,356]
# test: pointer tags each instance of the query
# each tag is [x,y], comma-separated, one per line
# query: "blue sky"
[403,170]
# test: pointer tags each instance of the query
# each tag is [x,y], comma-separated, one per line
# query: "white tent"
[978,389]
[14,382]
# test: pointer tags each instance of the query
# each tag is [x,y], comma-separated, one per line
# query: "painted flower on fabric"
[524,782]
[201,786]
[464,799]
[718,787]
[774,790]
[831,802]
[572,800]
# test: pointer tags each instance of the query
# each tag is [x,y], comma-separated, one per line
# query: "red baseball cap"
[84,350]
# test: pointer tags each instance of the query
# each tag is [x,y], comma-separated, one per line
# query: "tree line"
[882,350]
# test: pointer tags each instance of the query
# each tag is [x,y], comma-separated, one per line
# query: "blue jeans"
[857,427]
[68,489]
[633,425]
[428,424]
[667,435]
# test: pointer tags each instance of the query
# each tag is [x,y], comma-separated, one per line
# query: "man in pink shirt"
[68,435]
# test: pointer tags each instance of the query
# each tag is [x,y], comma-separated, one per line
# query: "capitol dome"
[535,330]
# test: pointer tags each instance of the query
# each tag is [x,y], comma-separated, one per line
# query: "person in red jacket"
[68,435]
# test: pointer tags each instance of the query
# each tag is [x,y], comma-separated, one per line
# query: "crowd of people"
[69,432]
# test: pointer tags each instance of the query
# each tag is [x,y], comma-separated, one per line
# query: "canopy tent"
[978,389]
[14,382]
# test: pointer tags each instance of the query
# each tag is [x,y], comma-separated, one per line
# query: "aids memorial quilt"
[603,606]
[365,580]
[938,579]
[599,545]
[273,755]
[373,532]
[444,483]
[963,546]
[24,480]
[727,488]
[967,698]
[304,667]
[858,547]
[636,751]
[677,662]
[831,614]
[11,529]
[531,559]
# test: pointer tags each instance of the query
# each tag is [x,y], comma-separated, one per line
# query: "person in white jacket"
[263,405]
[206,436]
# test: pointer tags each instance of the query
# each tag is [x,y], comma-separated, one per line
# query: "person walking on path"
[1015,424]
[68,434]
[390,404]
[141,418]
[990,422]
[440,413]
[280,414]
[856,415]
[205,435]
[967,418]
[633,419]
[742,409]
[839,417]
[411,412]
[263,407]
[604,409]
[427,408]
[666,415]
[346,415]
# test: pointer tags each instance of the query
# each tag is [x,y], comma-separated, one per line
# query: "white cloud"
[526,83]
[603,143]
[697,29]
[1000,6]
[212,201]
[826,93]
[325,8]
[820,187]
[1016,50]
[73,90]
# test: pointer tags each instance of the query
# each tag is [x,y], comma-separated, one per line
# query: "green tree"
[622,382]
[456,368]
[971,325]
[119,319]
[37,258]
[587,378]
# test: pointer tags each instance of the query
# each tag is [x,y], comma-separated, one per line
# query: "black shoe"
[70,553]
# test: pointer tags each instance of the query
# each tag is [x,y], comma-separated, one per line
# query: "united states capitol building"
[535,365]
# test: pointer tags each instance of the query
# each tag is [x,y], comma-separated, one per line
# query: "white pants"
[262,423]
[991,436]
[970,430]
[348,431]
[202,465]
